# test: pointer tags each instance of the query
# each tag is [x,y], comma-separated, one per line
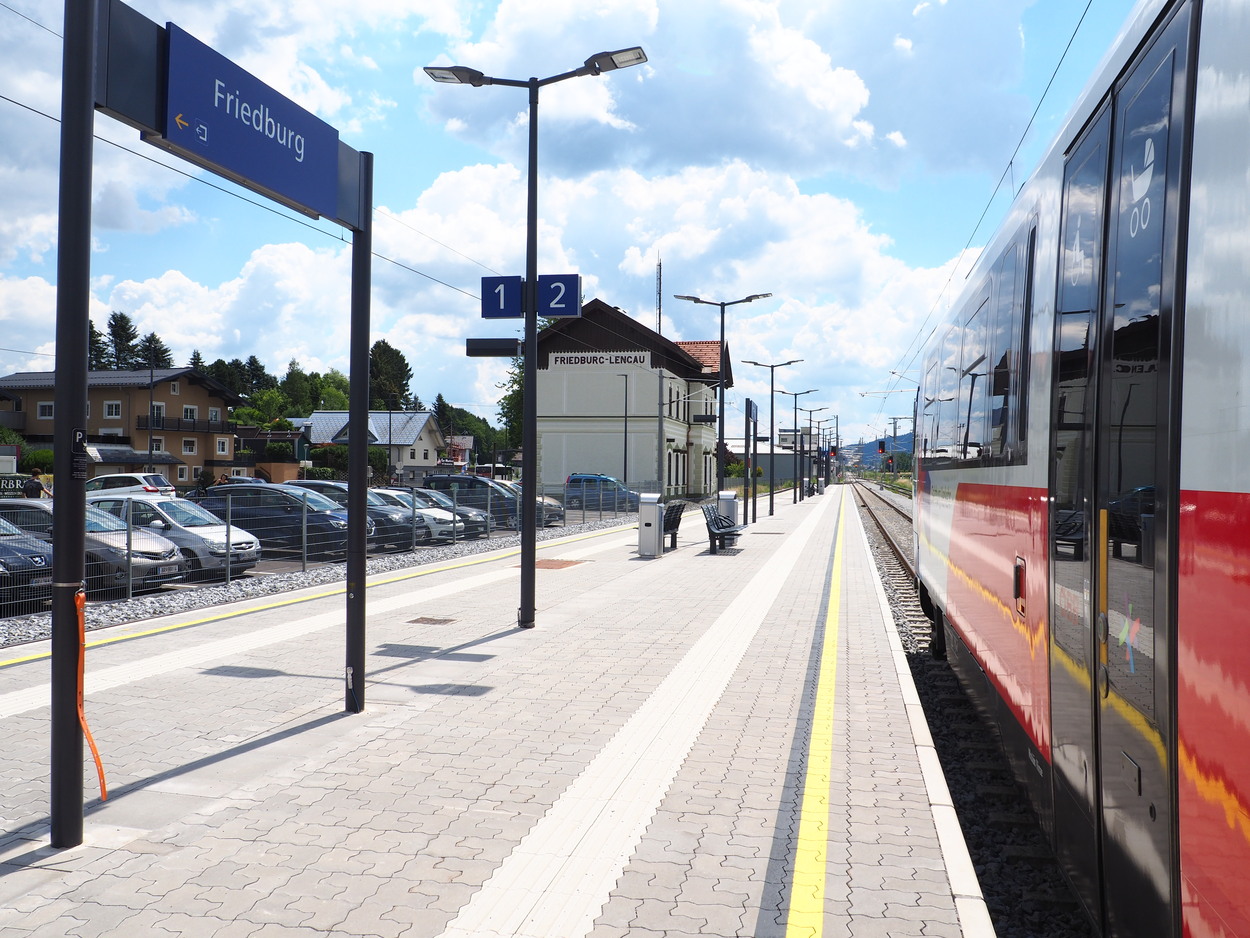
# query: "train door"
[1072,653]
[1112,449]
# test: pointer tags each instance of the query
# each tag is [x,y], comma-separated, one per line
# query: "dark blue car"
[281,516]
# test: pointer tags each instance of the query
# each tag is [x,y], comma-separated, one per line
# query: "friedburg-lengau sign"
[599,358]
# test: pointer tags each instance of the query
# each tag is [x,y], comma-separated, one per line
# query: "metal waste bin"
[650,526]
[820,486]
[727,505]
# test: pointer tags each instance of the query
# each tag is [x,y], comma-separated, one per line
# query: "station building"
[617,398]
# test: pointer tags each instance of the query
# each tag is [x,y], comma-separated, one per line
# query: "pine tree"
[122,336]
[97,350]
[197,361]
[389,378]
[151,352]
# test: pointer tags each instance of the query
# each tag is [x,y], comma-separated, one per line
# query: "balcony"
[179,425]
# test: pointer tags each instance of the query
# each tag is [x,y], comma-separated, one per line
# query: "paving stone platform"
[694,744]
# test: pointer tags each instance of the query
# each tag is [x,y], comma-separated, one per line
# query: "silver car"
[113,552]
[443,524]
[203,539]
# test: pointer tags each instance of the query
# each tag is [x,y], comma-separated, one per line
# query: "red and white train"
[1083,479]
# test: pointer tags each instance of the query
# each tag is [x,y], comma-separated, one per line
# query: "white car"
[443,525]
[152,483]
[199,534]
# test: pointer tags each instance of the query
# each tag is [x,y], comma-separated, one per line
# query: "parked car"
[549,510]
[112,550]
[477,492]
[1126,510]
[113,482]
[444,525]
[280,515]
[598,492]
[25,569]
[477,522]
[394,527]
[203,539]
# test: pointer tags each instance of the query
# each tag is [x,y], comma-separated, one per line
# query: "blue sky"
[834,154]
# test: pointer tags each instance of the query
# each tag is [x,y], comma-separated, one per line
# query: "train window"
[946,437]
[973,379]
[1132,387]
[930,404]
[1002,350]
[1013,297]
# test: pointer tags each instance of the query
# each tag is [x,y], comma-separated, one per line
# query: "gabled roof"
[385,427]
[141,378]
[707,353]
[604,328]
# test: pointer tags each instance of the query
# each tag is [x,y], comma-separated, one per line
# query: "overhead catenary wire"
[1008,171]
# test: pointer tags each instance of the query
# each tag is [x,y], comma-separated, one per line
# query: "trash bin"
[727,505]
[650,526]
[820,486]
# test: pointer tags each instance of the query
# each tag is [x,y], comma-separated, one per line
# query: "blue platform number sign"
[559,296]
[224,118]
[501,298]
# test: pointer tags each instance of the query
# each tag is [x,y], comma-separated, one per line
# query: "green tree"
[97,350]
[233,374]
[197,361]
[267,408]
[335,390]
[258,379]
[122,339]
[389,378]
[303,390]
[512,404]
[151,352]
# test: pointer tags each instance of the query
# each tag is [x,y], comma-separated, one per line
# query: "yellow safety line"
[805,918]
[427,571]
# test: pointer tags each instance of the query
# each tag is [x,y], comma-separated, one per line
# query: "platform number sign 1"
[559,296]
[501,298]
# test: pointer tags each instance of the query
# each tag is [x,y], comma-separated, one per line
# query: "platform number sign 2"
[559,296]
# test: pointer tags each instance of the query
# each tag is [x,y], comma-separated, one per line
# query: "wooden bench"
[672,521]
[720,528]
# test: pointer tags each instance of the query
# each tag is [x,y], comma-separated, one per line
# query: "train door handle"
[1104,681]
[1017,586]
[1103,630]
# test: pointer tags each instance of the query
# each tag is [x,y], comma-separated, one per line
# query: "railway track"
[1026,895]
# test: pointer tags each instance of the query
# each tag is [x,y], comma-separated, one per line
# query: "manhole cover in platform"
[430,620]
[555,564]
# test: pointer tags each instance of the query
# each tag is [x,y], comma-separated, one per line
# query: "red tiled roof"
[705,352]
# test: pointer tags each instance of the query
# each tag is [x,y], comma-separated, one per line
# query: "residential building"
[412,439]
[173,420]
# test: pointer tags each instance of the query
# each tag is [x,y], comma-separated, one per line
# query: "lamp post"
[625,439]
[796,395]
[772,431]
[720,377]
[809,412]
[460,75]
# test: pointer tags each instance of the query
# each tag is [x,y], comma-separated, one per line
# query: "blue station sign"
[501,298]
[229,121]
[559,296]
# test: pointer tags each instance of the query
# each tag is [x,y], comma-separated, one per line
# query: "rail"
[862,492]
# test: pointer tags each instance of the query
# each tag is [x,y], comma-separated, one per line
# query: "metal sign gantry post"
[116,61]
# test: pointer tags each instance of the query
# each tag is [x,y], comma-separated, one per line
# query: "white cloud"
[903,45]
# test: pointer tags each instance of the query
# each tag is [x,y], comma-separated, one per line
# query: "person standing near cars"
[34,487]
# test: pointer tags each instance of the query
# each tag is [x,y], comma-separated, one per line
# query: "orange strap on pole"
[80,604]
